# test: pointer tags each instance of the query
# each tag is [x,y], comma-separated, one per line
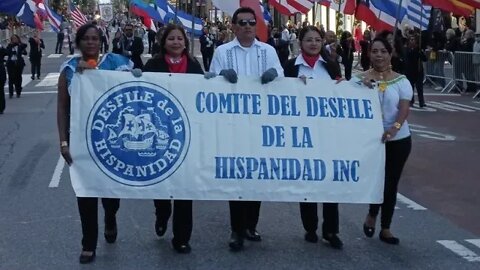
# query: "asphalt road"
[437,216]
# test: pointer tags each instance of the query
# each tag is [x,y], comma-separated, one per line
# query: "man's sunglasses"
[245,22]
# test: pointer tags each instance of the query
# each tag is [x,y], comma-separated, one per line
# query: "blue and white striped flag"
[418,15]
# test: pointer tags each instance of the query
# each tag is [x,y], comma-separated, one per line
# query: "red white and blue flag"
[342,6]
[54,19]
[78,18]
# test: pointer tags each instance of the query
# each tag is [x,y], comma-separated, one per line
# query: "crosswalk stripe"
[410,204]
[463,105]
[55,55]
[460,250]
[50,80]
[475,242]
[447,107]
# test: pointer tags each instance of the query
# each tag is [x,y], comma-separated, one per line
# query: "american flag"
[78,18]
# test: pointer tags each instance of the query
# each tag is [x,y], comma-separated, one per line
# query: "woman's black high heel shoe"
[368,231]
[84,259]
[389,240]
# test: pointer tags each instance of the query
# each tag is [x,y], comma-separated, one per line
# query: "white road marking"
[440,95]
[410,204]
[447,107]
[57,173]
[475,242]
[73,55]
[55,55]
[463,105]
[37,92]
[460,250]
[26,79]
[420,130]
[147,55]
[50,80]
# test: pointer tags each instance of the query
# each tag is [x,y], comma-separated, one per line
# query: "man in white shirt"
[245,56]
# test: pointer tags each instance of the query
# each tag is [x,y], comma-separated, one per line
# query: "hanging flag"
[27,12]
[378,19]
[78,18]
[303,6]
[418,15]
[11,7]
[267,17]
[54,19]
[457,7]
[261,28]
[342,6]
[473,3]
[283,7]
[41,9]
[149,8]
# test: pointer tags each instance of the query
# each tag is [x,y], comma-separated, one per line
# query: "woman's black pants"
[182,218]
[88,208]
[14,78]
[36,63]
[308,212]
[3,79]
[397,153]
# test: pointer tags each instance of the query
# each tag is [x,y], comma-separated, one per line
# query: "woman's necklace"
[380,76]
[175,60]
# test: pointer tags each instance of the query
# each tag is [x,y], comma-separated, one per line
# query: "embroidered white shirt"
[251,61]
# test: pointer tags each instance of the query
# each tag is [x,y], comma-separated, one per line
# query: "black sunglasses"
[244,22]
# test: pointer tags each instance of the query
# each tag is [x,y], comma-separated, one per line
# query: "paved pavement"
[437,217]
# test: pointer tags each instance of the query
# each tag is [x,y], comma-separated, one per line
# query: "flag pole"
[192,34]
[398,14]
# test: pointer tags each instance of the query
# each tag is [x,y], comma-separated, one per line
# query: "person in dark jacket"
[207,47]
[151,39]
[310,65]
[15,64]
[331,48]
[131,47]
[414,68]
[3,78]
[398,54]
[348,48]
[36,46]
[58,46]
[158,37]
[116,46]
[465,59]
[365,46]
[174,57]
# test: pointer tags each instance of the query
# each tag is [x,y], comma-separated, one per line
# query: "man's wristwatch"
[397,125]
[63,143]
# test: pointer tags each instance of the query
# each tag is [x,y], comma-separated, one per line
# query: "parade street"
[437,217]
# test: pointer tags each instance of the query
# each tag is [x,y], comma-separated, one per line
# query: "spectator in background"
[156,49]
[437,57]
[222,38]
[331,49]
[116,48]
[207,47]
[414,68]
[365,46]
[131,46]
[151,39]
[36,46]
[475,60]
[3,78]
[15,64]
[348,48]
[60,37]
[465,59]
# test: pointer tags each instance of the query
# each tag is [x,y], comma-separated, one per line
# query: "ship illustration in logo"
[143,133]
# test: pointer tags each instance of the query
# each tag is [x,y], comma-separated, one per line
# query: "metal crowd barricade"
[439,69]
[467,71]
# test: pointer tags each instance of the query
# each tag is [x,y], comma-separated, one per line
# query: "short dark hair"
[83,30]
[242,10]
[384,42]
[307,29]
[128,24]
[170,27]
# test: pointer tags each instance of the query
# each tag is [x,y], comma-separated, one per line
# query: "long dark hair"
[168,29]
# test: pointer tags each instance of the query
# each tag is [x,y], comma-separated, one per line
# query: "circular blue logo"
[138,133]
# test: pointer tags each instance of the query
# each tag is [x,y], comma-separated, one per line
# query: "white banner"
[106,12]
[181,136]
